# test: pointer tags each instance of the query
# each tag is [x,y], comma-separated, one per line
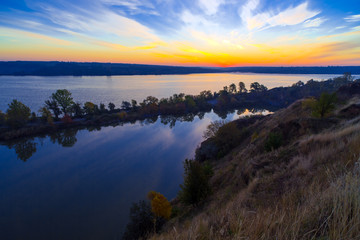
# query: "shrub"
[325,105]
[17,114]
[274,141]
[196,182]
[141,221]
[213,128]
[66,119]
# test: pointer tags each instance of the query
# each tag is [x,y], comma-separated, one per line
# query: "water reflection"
[25,148]
[80,183]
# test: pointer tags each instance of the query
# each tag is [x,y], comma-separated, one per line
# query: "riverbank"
[290,175]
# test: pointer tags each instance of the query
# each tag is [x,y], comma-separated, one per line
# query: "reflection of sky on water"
[85,191]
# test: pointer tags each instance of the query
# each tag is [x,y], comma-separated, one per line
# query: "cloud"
[353,18]
[314,22]
[134,6]
[210,7]
[289,16]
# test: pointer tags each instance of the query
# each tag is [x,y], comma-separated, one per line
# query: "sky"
[216,33]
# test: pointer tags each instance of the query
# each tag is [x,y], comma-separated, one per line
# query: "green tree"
[53,105]
[63,99]
[89,108]
[46,115]
[18,114]
[325,105]
[242,88]
[196,185]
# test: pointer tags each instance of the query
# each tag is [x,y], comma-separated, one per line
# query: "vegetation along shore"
[293,174]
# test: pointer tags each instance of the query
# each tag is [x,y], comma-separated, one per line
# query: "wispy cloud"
[353,18]
[210,7]
[314,22]
[289,16]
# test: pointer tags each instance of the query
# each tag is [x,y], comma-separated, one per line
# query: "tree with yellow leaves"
[160,206]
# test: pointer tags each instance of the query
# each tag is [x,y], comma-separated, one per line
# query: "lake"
[33,91]
[79,184]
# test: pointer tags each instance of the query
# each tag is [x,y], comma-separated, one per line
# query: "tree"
[242,88]
[77,110]
[134,104]
[53,105]
[257,87]
[111,106]
[232,88]
[298,84]
[196,185]
[46,115]
[89,108]
[125,105]
[213,128]
[324,105]
[17,114]
[160,206]
[102,108]
[63,99]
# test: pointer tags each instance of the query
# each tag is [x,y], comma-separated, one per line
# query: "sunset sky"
[183,32]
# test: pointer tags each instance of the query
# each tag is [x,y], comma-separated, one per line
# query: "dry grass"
[308,189]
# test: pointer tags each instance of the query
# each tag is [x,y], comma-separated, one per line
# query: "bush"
[196,182]
[17,114]
[325,105]
[141,221]
[213,128]
[66,119]
[274,141]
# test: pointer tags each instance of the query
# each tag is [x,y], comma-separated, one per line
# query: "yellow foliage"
[160,206]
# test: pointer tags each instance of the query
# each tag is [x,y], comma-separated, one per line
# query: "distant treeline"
[61,109]
[37,68]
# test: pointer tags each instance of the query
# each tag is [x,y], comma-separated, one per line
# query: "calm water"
[80,184]
[33,91]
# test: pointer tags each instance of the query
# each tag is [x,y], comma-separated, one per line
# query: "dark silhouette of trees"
[232,88]
[53,106]
[111,106]
[18,114]
[257,87]
[63,99]
[242,88]
[89,108]
[77,110]
[126,105]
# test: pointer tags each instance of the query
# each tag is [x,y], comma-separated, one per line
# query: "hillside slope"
[308,188]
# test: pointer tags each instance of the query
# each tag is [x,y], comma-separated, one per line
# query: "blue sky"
[189,32]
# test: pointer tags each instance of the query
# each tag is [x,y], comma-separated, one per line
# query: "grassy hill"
[306,185]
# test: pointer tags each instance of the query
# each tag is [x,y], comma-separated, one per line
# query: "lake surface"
[33,91]
[80,184]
